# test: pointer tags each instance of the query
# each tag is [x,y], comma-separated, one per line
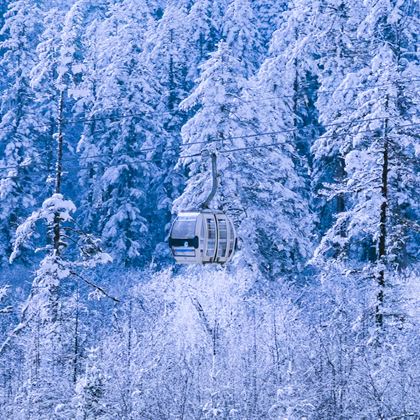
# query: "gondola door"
[210,230]
[222,238]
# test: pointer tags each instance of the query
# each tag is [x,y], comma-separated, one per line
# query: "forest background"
[106,109]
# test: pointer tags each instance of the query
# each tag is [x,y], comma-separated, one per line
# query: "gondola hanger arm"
[205,204]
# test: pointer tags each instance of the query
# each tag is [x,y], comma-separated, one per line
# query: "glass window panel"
[184,228]
[222,229]
[231,240]
[222,238]
[211,241]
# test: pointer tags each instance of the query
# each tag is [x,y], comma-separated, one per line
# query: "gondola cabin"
[202,237]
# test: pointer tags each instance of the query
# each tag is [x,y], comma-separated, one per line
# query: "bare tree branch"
[95,286]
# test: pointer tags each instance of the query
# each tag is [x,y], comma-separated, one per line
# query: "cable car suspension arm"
[206,202]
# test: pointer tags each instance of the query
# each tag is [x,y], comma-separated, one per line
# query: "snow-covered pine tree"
[88,108]
[45,330]
[167,51]
[294,46]
[21,172]
[57,74]
[40,330]
[269,14]
[240,31]
[61,66]
[43,77]
[287,88]
[338,51]
[127,96]
[271,106]
[217,94]
[375,232]
[204,25]
[167,45]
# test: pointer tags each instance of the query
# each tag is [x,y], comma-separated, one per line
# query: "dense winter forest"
[108,110]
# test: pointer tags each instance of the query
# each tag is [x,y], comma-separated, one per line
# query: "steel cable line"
[231,138]
[256,100]
[225,151]
[240,149]
[346,124]
[214,140]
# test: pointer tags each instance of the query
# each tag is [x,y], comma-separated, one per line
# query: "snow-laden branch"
[53,206]
[95,286]
[6,309]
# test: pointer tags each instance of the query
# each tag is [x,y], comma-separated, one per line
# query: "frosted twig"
[90,283]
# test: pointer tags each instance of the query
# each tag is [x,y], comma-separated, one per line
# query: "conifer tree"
[89,109]
[242,36]
[280,108]
[167,52]
[118,200]
[338,50]
[204,31]
[43,76]
[269,15]
[375,231]
[44,330]
[295,49]
[19,126]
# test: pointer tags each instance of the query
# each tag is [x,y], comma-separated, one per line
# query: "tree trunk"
[76,338]
[58,173]
[382,228]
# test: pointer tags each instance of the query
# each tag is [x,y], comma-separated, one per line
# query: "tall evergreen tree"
[119,201]
[375,230]
[269,16]
[204,31]
[294,48]
[44,330]
[167,45]
[242,36]
[167,52]
[20,129]
[338,50]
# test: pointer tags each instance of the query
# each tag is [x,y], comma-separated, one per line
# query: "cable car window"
[211,238]
[184,228]
[232,239]
[222,238]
